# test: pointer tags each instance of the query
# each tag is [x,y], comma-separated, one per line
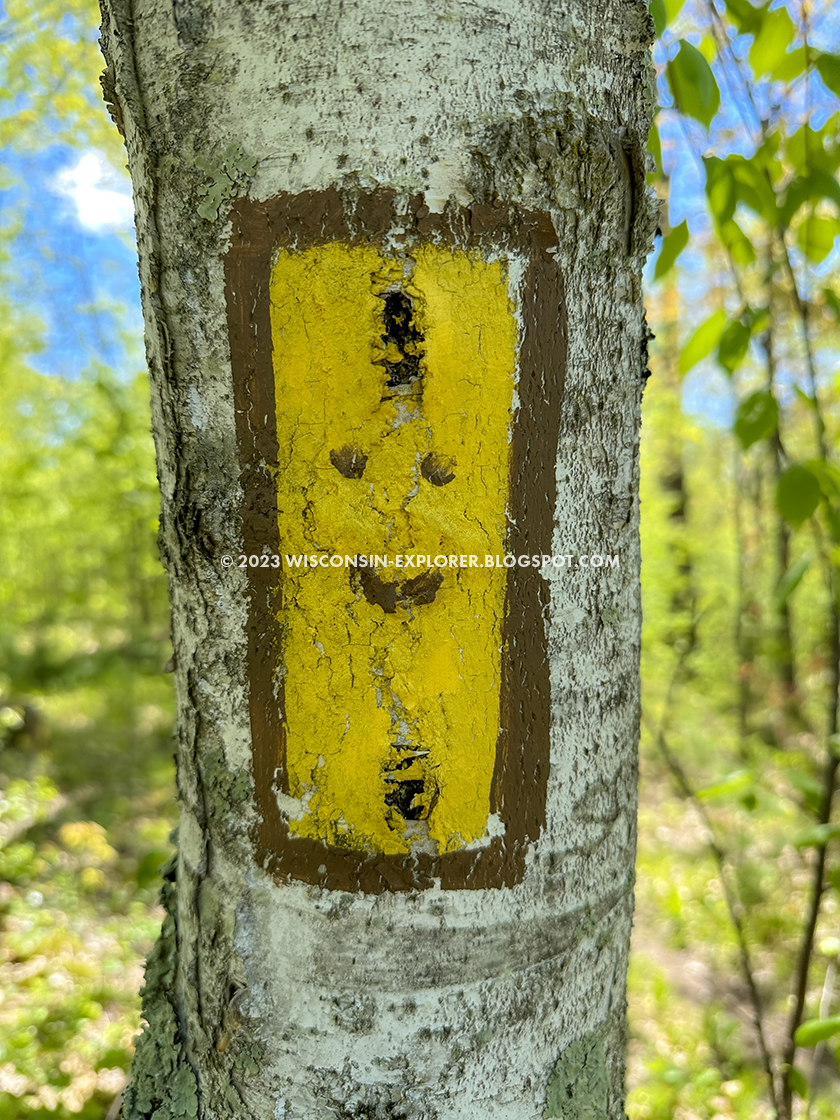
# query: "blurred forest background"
[734,994]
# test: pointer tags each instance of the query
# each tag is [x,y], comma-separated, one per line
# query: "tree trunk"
[391,262]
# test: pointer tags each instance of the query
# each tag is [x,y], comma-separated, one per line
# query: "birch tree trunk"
[391,259]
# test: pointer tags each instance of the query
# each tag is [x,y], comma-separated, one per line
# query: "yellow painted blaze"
[394,397]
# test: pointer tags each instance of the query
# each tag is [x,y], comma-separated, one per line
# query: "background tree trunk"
[509,130]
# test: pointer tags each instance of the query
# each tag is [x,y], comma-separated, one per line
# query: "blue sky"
[707,392]
[72,261]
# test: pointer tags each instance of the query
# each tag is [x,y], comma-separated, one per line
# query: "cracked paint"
[394,397]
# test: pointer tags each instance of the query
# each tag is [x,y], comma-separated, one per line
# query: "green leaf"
[703,341]
[818,836]
[708,49]
[660,16]
[673,9]
[735,783]
[797,494]
[736,242]
[745,17]
[809,787]
[751,186]
[827,475]
[771,42]
[832,301]
[733,345]
[791,66]
[720,188]
[809,402]
[833,519]
[735,179]
[693,84]
[815,237]
[809,189]
[813,1031]
[767,159]
[672,246]
[810,148]
[796,1081]
[828,66]
[149,868]
[756,417]
[791,580]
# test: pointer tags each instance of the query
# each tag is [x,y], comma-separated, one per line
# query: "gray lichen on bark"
[579,1083]
[163,1082]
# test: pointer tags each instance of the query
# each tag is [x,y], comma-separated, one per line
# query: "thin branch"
[829,784]
[802,315]
[784,658]
[732,905]
[742,644]
[818,871]
[819,1049]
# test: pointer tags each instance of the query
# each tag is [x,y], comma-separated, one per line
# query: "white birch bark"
[283,1000]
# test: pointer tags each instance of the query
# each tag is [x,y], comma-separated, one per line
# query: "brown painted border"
[522,756]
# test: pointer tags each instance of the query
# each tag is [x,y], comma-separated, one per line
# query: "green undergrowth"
[86,709]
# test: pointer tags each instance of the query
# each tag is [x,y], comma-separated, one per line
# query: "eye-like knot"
[437,469]
[349,461]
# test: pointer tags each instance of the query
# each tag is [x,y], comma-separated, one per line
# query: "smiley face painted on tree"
[394,385]
[398,379]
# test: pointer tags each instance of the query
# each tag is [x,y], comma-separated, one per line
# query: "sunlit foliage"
[737,890]
[49,75]
[86,773]
[85,732]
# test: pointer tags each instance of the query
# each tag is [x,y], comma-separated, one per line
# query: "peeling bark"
[411,989]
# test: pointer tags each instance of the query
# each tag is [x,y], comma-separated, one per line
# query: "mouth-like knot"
[419,591]
[408,779]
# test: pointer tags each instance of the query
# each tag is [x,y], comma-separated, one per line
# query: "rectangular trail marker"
[398,384]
